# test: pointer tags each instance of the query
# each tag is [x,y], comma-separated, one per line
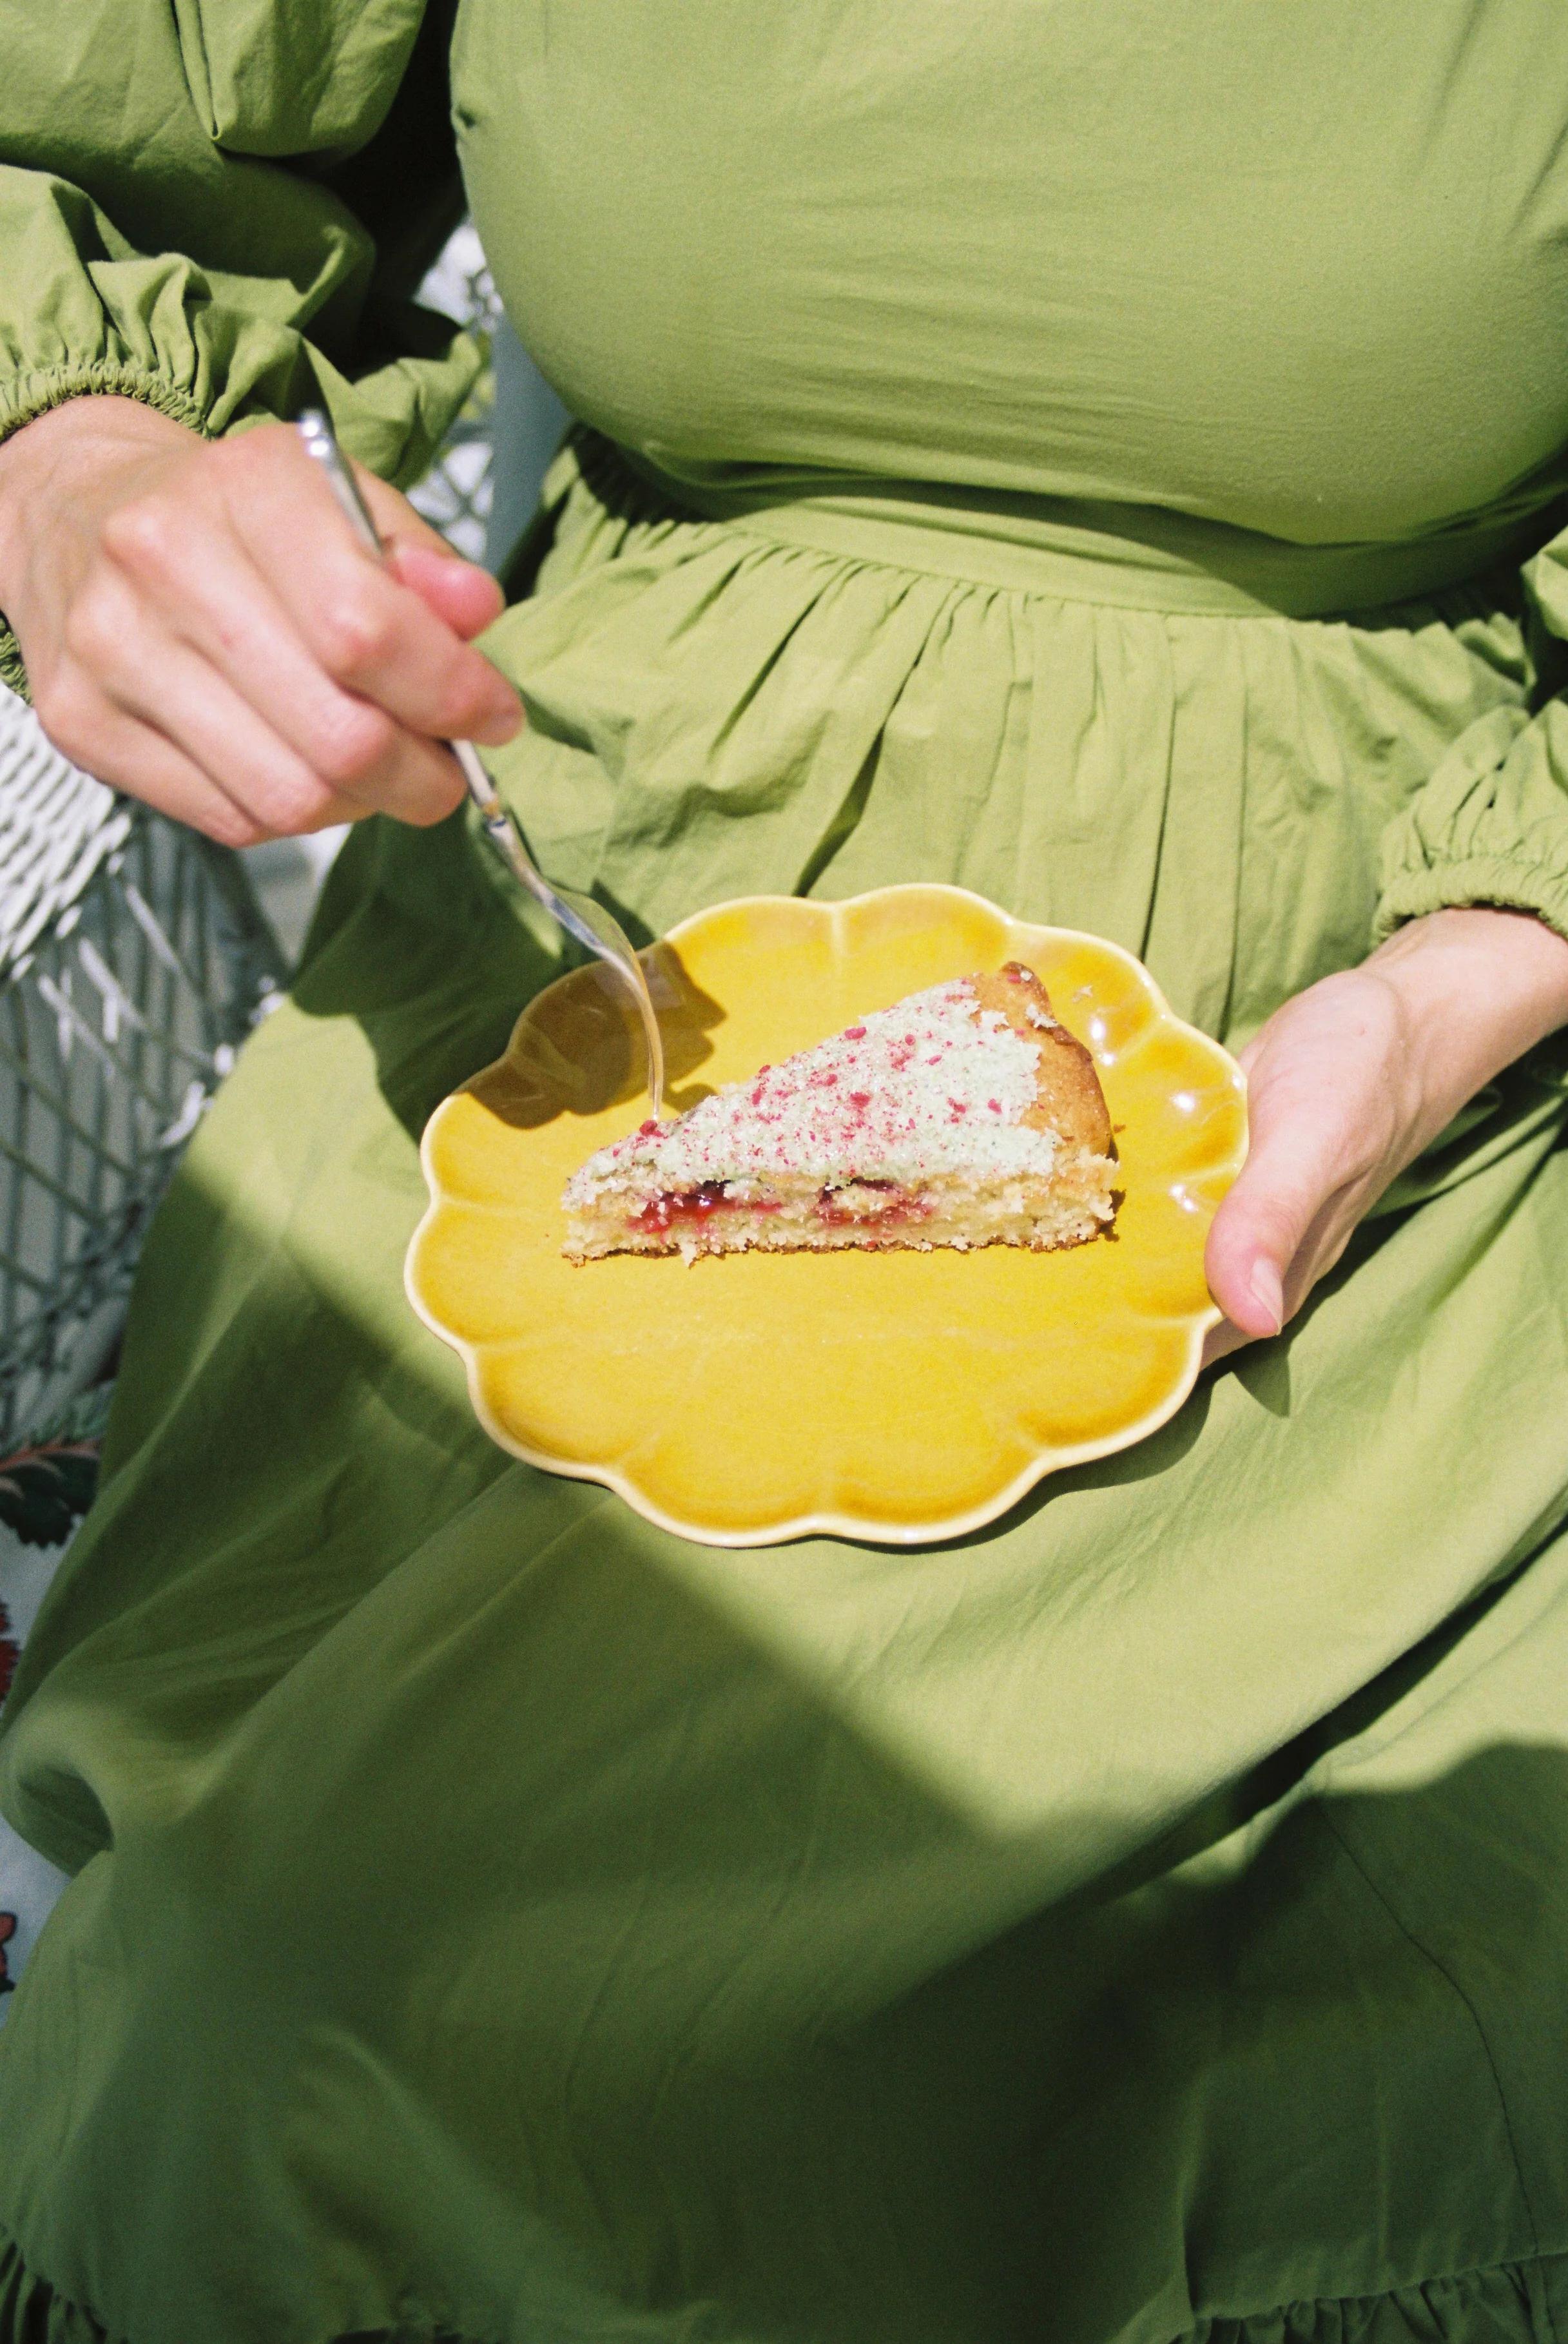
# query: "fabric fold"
[716,709]
[1504,2306]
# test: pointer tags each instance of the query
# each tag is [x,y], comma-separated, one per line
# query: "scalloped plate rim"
[832,1524]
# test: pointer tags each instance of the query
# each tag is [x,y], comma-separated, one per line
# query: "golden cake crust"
[1068,1095]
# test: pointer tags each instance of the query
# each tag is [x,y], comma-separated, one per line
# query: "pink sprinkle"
[994,1105]
[860,1098]
[649,1130]
[855,1033]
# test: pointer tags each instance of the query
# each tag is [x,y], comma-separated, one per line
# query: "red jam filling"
[698,1205]
[897,1206]
[677,1205]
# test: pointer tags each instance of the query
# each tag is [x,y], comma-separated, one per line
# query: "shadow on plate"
[576,1049]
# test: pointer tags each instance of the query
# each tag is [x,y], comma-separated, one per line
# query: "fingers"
[198,714]
[102,740]
[203,629]
[1261,1225]
[1319,1106]
[129,684]
[466,597]
[1263,1221]
[230,612]
[372,633]
[317,731]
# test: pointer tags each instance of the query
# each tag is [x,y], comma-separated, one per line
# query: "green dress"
[1110,457]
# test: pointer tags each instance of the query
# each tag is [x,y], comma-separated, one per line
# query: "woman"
[1109,458]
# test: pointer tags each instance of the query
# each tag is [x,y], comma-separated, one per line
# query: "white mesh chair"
[133,958]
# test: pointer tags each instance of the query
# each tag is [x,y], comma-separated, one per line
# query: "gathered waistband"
[1139,557]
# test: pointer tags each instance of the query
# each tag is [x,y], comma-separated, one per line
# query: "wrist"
[57,464]
[1479,986]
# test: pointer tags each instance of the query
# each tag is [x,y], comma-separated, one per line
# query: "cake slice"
[964,1115]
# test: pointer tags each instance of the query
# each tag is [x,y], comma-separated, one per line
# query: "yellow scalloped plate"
[900,1396]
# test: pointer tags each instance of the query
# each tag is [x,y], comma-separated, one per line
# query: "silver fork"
[584,920]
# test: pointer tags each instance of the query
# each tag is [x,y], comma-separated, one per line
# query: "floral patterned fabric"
[29,1885]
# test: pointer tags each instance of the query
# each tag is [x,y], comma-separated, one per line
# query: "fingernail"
[498,730]
[1269,1294]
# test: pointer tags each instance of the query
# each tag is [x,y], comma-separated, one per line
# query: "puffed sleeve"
[1490,825]
[222,208]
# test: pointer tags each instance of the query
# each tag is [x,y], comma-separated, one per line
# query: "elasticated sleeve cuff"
[26,397]
[1497,880]
[1490,825]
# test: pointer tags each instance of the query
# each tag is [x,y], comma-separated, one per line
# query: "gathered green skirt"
[497,1919]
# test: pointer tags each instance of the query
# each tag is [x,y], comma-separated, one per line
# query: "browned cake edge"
[1068,1095]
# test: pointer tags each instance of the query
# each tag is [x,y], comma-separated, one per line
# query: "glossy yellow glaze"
[896,1395]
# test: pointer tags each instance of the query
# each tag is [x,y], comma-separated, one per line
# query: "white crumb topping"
[932,1085]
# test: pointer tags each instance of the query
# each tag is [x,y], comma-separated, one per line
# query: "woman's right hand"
[201,630]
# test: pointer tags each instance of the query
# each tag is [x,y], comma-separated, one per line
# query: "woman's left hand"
[1351,1079]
